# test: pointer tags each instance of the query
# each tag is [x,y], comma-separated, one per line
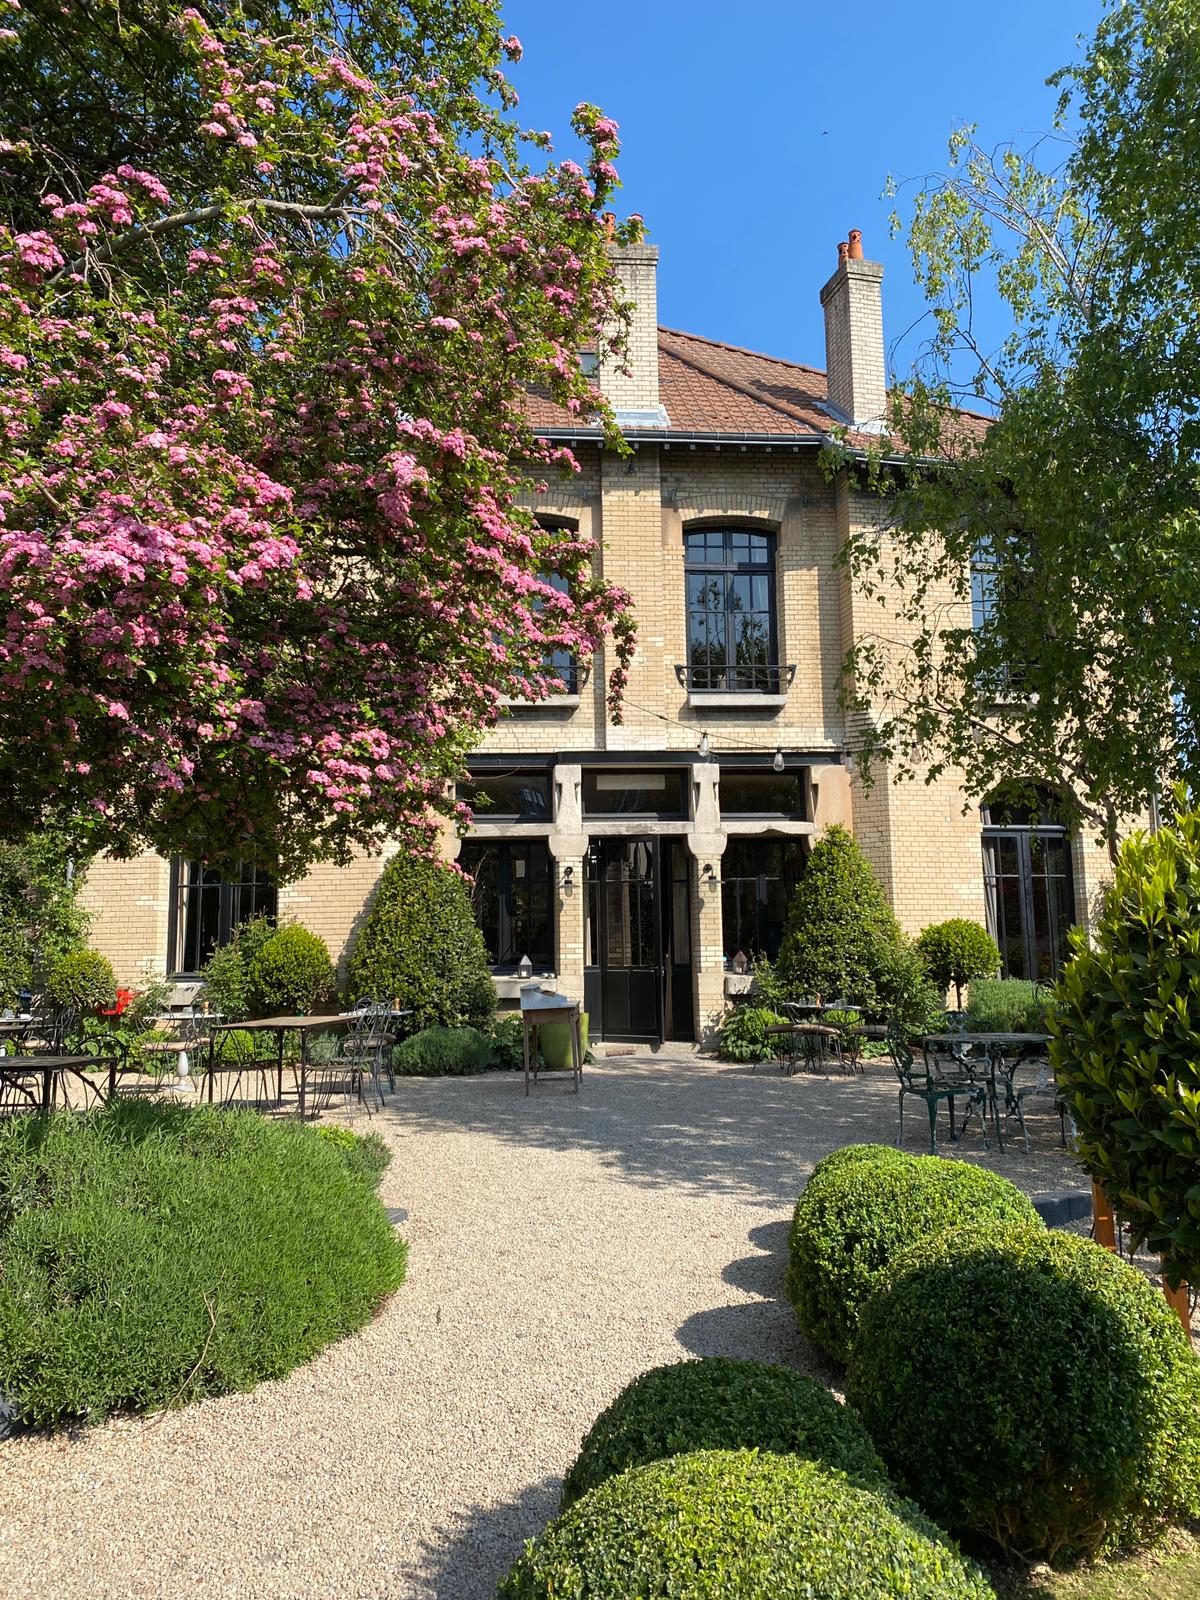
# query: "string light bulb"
[705,746]
[777,761]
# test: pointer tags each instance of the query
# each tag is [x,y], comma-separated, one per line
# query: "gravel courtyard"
[558,1247]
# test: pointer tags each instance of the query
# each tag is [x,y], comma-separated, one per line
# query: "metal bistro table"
[996,1047]
[16,1071]
[279,1026]
[820,1046]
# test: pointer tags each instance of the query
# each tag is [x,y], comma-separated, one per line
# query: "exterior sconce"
[568,879]
[710,877]
[524,968]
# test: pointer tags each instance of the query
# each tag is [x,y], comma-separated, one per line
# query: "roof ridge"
[774,404]
[741,350]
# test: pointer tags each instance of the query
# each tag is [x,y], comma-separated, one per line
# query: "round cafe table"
[997,1049]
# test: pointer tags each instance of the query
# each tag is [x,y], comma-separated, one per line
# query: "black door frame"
[1022,837]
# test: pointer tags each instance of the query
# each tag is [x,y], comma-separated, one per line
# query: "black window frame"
[676,777]
[737,677]
[508,920]
[766,774]
[185,922]
[1027,820]
[479,778]
[763,942]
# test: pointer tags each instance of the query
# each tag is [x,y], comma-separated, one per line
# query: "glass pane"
[481,862]
[760,547]
[525,795]
[760,793]
[660,794]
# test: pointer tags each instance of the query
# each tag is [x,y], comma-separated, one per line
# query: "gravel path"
[558,1247]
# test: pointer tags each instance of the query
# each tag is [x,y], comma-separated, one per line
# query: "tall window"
[512,899]
[758,876]
[1028,882]
[561,663]
[730,577]
[206,910]
[997,590]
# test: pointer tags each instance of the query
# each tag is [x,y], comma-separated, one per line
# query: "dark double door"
[638,971]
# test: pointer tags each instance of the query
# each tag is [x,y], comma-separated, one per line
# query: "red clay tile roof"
[708,387]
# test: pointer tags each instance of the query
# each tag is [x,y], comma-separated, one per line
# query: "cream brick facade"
[922,840]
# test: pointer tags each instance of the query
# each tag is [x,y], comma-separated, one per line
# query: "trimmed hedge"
[721,1404]
[151,1254]
[420,945]
[291,974]
[1032,1388]
[855,1215]
[958,952]
[1006,1005]
[842,937]
[81,980]
[442,1053]
[736,1525]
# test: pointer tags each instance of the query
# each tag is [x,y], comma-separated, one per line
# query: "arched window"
[730,576]
[1027,880]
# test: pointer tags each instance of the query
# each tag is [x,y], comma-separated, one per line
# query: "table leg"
[525,1049]
[47,1089]
[112,1077]
[280,1054]
[212,1066]
[303,1063]
[576,1055]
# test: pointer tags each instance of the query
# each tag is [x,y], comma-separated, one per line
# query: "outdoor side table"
[539,1008]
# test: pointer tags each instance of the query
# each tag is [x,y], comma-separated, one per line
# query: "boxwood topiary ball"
[1033,1388]
[720,1404]
[735,1525]
[855,1216]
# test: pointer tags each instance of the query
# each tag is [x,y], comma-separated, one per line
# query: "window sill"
[509,984]
[734,700]
[553,702]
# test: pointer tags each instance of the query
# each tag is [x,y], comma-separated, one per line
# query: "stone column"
[568,848]
[706,842]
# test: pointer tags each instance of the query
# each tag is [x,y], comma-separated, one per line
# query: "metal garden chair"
[924,1083]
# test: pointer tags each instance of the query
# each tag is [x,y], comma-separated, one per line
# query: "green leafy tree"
[1126,1042]
[957,952]
[40,915]
[842,937]
[1074,518]
[420,945]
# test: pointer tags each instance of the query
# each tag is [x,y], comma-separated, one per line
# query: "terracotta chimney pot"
[843,252]
[856,253]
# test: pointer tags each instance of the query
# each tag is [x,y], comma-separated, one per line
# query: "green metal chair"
[923,1084]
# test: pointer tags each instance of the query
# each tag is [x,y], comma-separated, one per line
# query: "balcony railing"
[758,678]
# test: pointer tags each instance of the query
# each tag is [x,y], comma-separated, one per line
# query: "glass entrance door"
[638,960]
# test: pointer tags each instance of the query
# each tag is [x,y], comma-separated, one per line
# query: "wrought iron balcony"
[756,678]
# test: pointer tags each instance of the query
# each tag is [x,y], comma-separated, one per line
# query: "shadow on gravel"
[469,1559]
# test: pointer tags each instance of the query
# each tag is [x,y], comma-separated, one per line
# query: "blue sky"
[755,135]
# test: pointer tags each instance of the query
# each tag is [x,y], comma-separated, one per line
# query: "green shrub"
[855,1216]
[743,1035]
[366,1155]
[1032,1388]
[720,1404]
[82,980]
[508,1049]
[1005,1005]
[735,1525]
[847,1155]
[151,1254]
[420,945]
[840,929]
[442,1052]
[291,975]
[226,974]
[1126,1045]
[958,952]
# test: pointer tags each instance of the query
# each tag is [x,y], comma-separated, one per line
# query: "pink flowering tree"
[267,560]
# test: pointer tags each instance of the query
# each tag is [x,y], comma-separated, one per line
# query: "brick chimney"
[635,398]
[854,358]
